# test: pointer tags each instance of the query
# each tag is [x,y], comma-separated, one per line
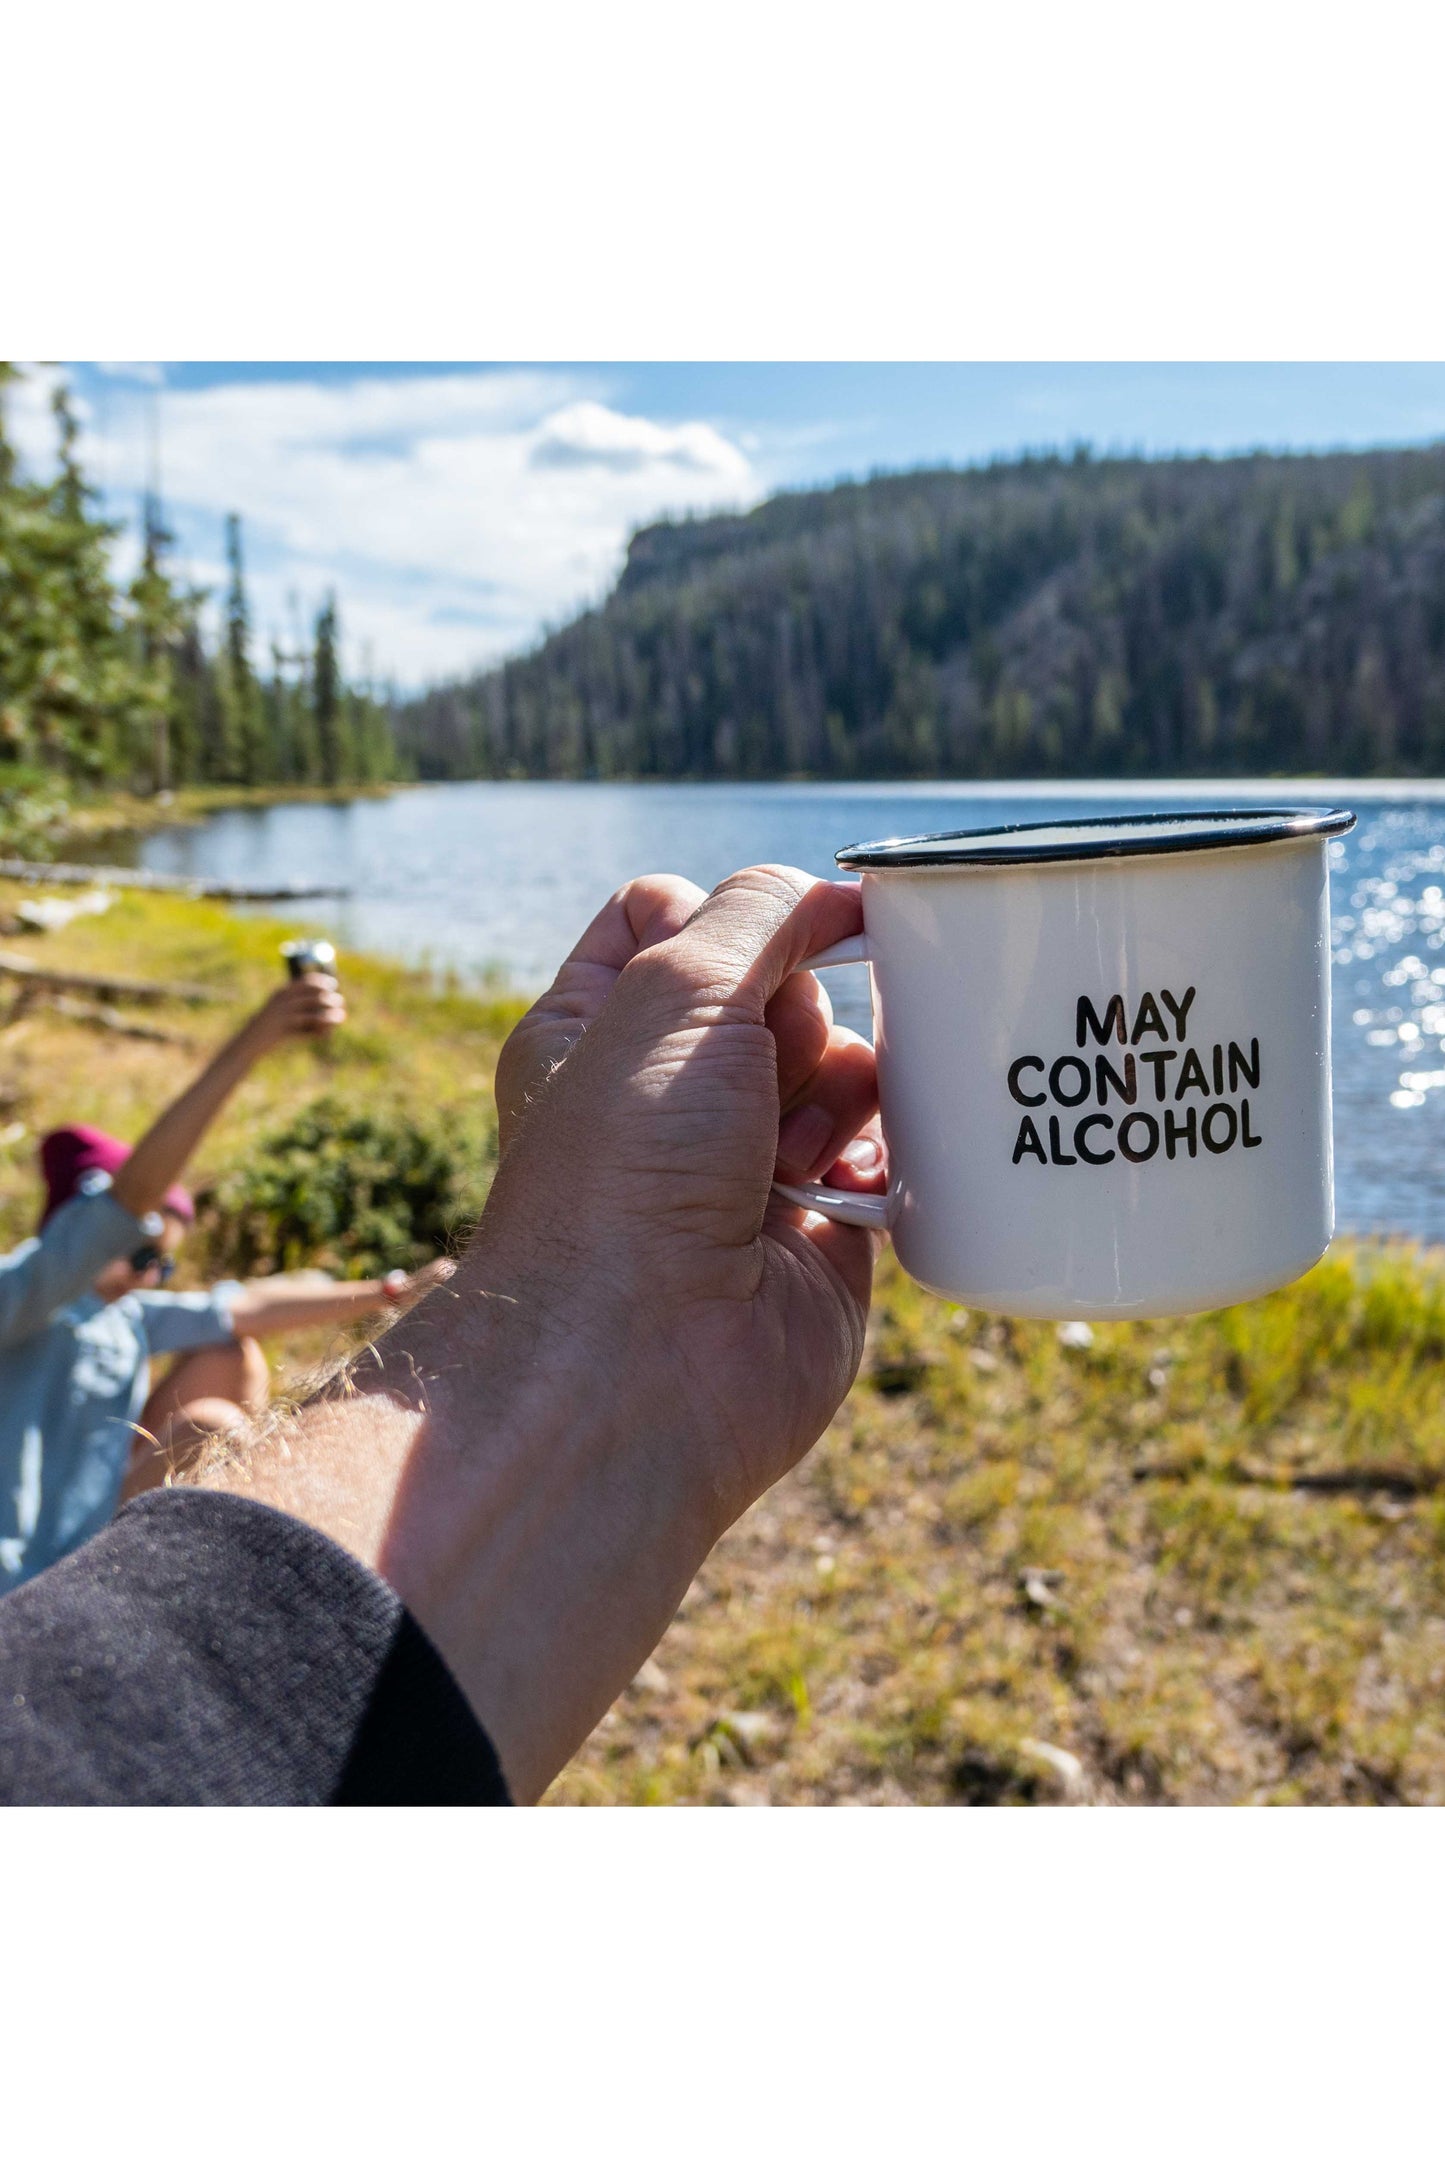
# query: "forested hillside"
[110,684]
[1055,616]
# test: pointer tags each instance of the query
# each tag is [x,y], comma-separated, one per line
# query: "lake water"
[502,877]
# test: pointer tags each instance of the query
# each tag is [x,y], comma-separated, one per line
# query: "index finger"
[641,914]
[649,909]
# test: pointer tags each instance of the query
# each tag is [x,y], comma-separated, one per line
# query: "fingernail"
[803,1137]
[864,1155]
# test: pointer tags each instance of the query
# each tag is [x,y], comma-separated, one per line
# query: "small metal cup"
[303,957]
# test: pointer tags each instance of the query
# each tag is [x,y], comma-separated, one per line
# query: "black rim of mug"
[1207,829]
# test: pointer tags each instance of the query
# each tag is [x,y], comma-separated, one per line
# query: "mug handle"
[852,1208]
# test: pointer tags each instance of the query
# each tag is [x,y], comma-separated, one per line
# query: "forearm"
[256,1314]
[541,1534]
[161,1155]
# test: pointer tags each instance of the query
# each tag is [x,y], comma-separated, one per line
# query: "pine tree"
[326,695]
[245,752]
[160,615]
[8,375]
[278,720]
[195,719]
[70,695]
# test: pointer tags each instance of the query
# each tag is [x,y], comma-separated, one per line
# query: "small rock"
[1076,1334]
[737,1735]
[652,1679]
[825,1563]
[752,1725]
[48,914]
[1039,1584]
[1066,1766]
[1158,1378]
[982,1359]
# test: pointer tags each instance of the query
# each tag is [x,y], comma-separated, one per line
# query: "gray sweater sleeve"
[53,1267]
[207,1651]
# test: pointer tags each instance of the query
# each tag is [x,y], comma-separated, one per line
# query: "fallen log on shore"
[105,983]
[31,1001]
[101,1017]
[175,884]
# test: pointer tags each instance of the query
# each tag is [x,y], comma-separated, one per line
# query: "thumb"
[752,933]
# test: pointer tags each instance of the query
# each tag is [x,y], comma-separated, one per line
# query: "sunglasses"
[151,1253]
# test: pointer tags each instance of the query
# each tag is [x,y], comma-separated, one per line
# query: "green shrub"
[351,1192]
[33,810]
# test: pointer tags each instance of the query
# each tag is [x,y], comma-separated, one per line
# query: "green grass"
[1205,1557]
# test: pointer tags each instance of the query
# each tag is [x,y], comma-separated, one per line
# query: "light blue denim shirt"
[74,1374]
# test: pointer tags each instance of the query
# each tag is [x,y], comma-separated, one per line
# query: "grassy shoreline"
[1201,1560]
[118,813]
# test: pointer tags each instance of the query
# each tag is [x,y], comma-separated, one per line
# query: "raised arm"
[303,1008]
[259,1311]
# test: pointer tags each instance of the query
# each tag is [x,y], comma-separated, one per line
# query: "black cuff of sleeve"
[208,1651]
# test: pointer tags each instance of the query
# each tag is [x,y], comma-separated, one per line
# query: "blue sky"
[459,509]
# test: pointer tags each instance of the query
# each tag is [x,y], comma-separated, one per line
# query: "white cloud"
[589,435]
[137,372]
[455,513]
[29,423]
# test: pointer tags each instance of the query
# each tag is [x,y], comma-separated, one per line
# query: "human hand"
[306,1008]
[404,1290]
[637,917]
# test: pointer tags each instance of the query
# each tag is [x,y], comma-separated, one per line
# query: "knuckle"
[742,915]
[647,885]
[653,969]
[782,886]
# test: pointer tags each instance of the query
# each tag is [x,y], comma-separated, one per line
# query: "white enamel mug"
[1103,1059]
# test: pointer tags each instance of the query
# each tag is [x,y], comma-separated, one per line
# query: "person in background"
[83,1311]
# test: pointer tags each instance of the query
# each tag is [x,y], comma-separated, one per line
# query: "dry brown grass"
[1004,1545]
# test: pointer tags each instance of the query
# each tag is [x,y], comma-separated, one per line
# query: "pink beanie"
[67,1154]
